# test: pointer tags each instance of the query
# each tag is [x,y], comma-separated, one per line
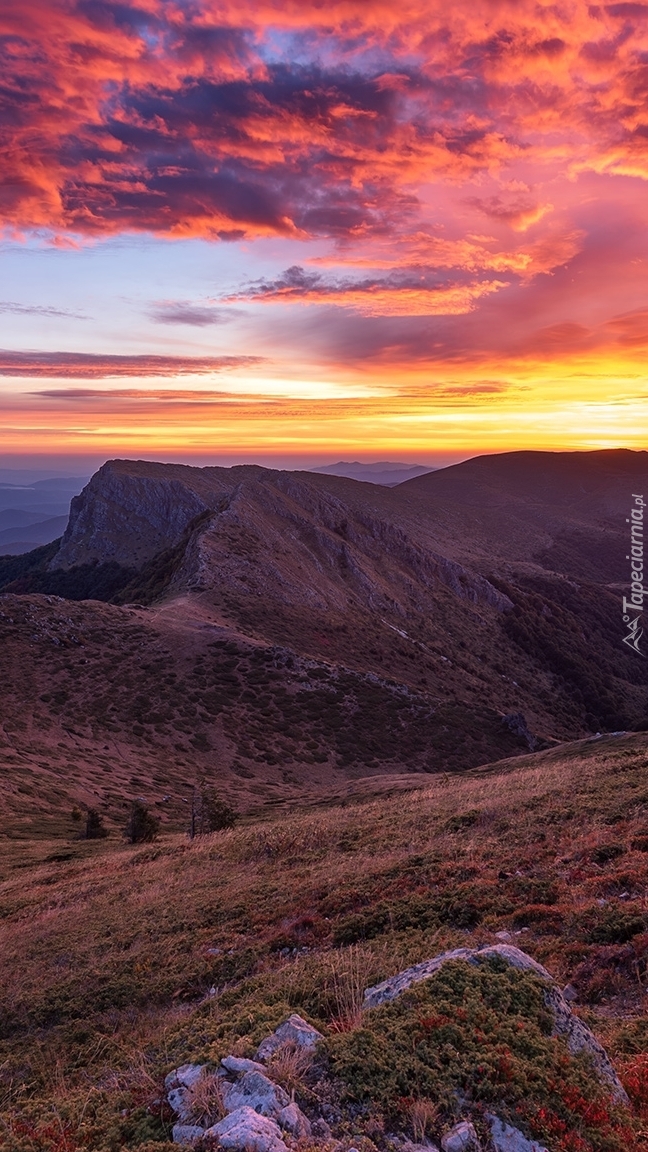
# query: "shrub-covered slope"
[121,963]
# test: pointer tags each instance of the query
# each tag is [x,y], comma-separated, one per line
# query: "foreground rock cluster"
[256,1114]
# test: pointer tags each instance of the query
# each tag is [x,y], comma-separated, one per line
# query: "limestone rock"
[178,1086]
[508,1139]
[128,513]
[461,1138]
[245,1131]
[187,1134]
[255,1090]
[295,1031]
[293,1120]
[187,1075]
[578,1036]
[238,1065]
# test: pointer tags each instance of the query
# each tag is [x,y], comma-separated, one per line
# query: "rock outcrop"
[293,1031]
[578,1036]
[506,1138]
[257,1108]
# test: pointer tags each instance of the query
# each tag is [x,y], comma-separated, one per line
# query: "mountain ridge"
[514,631]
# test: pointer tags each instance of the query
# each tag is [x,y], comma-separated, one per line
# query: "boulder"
[238,1065]
[186,1076]
[461,1138]
[255,1090]
[293,1120]
[245,1131]
[295,1031]
[576,1033]
[178,1086]
[505,1138]
[187,1134]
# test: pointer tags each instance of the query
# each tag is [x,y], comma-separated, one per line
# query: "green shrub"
[470,1036]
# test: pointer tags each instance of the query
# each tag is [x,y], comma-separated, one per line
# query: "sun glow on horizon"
[369,230]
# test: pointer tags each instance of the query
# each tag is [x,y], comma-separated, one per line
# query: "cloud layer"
[90,366]
[289,119]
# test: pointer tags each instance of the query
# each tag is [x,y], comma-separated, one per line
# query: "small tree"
[95,828]
[142,826]
[209,813]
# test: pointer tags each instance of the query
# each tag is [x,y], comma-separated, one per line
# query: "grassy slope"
[110,952]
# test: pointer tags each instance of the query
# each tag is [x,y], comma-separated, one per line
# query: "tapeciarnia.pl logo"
[633,608]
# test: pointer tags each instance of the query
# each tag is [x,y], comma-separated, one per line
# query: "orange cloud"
[197,121]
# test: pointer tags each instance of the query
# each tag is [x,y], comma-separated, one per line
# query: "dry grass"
[109,956]
[350,972]
[423,1116]
[289,1066]
[205,1103]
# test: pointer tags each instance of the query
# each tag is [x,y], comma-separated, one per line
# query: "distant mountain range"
[283,632]
[383,472]
[33,511]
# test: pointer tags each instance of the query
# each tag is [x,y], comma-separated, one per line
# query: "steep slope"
[101,704]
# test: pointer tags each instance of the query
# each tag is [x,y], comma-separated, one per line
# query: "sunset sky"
[288,230]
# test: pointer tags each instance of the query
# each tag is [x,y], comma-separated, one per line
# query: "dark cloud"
[410,291]
[182,312]
[88,366]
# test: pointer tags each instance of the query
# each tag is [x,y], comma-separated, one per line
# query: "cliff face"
[128,513]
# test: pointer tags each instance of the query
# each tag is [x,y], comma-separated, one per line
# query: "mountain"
[383,472]
[284,632]
[18,518]
[22,538]
[45,496]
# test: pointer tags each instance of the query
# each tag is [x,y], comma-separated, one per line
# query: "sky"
[297,230]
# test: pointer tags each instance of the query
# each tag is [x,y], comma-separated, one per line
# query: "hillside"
[119,963]
[281,631]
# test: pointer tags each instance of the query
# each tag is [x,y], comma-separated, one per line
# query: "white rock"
[255,1090]
[508,1139]
[295,1031]
[246,1131]
[293,1120]
[187,1134]
[179,1101]
[186,1075]
[238,1065]
[461,1138]
[577,1035]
